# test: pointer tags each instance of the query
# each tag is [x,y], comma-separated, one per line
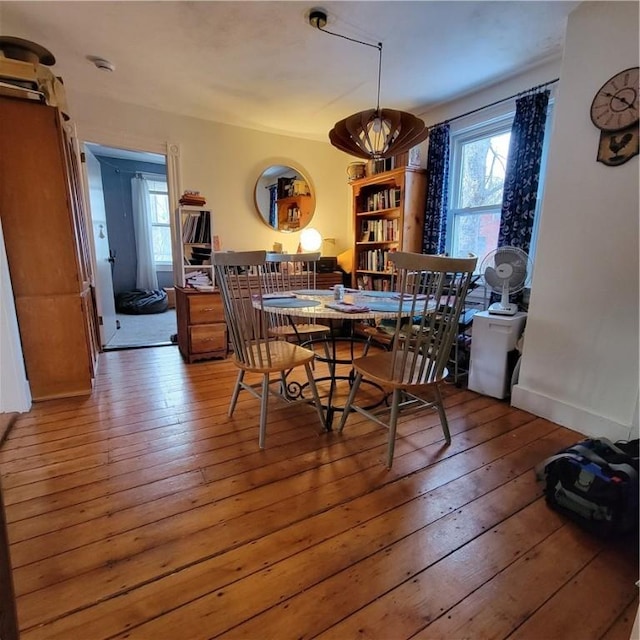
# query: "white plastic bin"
[492,338]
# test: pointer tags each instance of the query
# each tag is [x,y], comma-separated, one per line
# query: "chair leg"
[316,396]
[350,399]
[327,353]
[236,391]
[264,402]
[284,389]
[443,416]
[393,422]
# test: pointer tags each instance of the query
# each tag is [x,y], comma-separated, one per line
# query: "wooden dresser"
[202,331]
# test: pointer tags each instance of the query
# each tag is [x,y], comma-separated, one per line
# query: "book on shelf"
[364,232]
[375,260]
[372,283]
[196,227]
[383,230]
[383,199]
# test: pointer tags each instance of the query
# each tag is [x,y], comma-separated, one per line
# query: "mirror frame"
[304,204]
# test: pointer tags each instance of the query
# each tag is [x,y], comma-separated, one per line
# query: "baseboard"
[566,415]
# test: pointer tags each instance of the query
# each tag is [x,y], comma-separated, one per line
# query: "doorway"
[110,172]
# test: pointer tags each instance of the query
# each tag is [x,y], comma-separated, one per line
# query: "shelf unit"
[294,212]
[192,264]
[388,212]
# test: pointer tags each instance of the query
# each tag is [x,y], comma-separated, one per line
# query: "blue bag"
[595,483]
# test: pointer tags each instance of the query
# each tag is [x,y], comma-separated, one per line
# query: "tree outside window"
[160,221]
[479,163]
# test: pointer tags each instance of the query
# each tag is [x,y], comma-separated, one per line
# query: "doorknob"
[112,256]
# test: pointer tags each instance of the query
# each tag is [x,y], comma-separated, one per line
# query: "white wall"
[580,363]
[14,389]
[540,74]
[224,162]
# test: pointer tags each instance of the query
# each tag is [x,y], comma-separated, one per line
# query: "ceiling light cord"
[379,75]
[378,46]
[373,134]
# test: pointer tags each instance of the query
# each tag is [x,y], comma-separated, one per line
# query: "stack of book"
[197,279]
[193,198]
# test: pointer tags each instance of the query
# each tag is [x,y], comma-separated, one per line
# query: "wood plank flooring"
[144,512]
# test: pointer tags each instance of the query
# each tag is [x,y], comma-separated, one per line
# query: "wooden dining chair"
[289,272]
[432,292]
[253,349]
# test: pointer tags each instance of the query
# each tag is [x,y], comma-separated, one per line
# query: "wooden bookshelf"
[388,211]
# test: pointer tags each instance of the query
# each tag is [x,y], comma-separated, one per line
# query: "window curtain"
[435,219]
[523,171]
[273,214]
[146,277]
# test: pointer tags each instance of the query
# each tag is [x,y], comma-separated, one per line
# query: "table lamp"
[310,240]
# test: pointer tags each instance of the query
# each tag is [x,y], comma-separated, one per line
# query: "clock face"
[615,106]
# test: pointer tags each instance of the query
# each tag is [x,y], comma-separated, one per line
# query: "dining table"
[318,305]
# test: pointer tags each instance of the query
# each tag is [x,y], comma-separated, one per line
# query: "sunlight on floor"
[144,330]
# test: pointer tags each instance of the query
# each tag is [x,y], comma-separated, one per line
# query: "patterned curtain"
[435,219]
[523,171]
[273,214]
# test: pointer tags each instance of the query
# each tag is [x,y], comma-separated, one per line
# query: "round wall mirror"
[284,198]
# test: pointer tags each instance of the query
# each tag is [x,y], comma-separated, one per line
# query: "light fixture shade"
[378,133]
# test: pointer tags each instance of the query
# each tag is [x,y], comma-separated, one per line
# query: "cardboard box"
[171,297]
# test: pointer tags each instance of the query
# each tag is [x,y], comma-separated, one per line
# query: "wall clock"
[615,106]
[614,111]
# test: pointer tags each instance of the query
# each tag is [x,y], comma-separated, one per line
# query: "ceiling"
[262,65]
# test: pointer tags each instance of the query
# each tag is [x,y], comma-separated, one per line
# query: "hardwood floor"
[144,512]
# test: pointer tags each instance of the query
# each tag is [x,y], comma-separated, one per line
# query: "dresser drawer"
[205,338]
[205,309]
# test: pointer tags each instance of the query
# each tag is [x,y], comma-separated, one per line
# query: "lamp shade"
[310,239]
[378,133]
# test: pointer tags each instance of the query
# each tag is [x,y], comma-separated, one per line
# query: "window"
[479,162]
[160,219]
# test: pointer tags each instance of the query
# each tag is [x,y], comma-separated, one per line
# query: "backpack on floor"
[595,483]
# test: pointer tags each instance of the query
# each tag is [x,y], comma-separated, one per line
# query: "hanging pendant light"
[376,133]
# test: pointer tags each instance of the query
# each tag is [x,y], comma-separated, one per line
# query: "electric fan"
[505,272]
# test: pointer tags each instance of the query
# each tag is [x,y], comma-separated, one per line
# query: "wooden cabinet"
[192,264]
[388,210]
[202,331]
[44,228]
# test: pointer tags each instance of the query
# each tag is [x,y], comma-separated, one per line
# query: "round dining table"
[320,304]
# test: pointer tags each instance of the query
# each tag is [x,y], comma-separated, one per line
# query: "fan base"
[497,308]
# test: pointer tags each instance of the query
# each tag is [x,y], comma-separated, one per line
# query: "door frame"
[171,152]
